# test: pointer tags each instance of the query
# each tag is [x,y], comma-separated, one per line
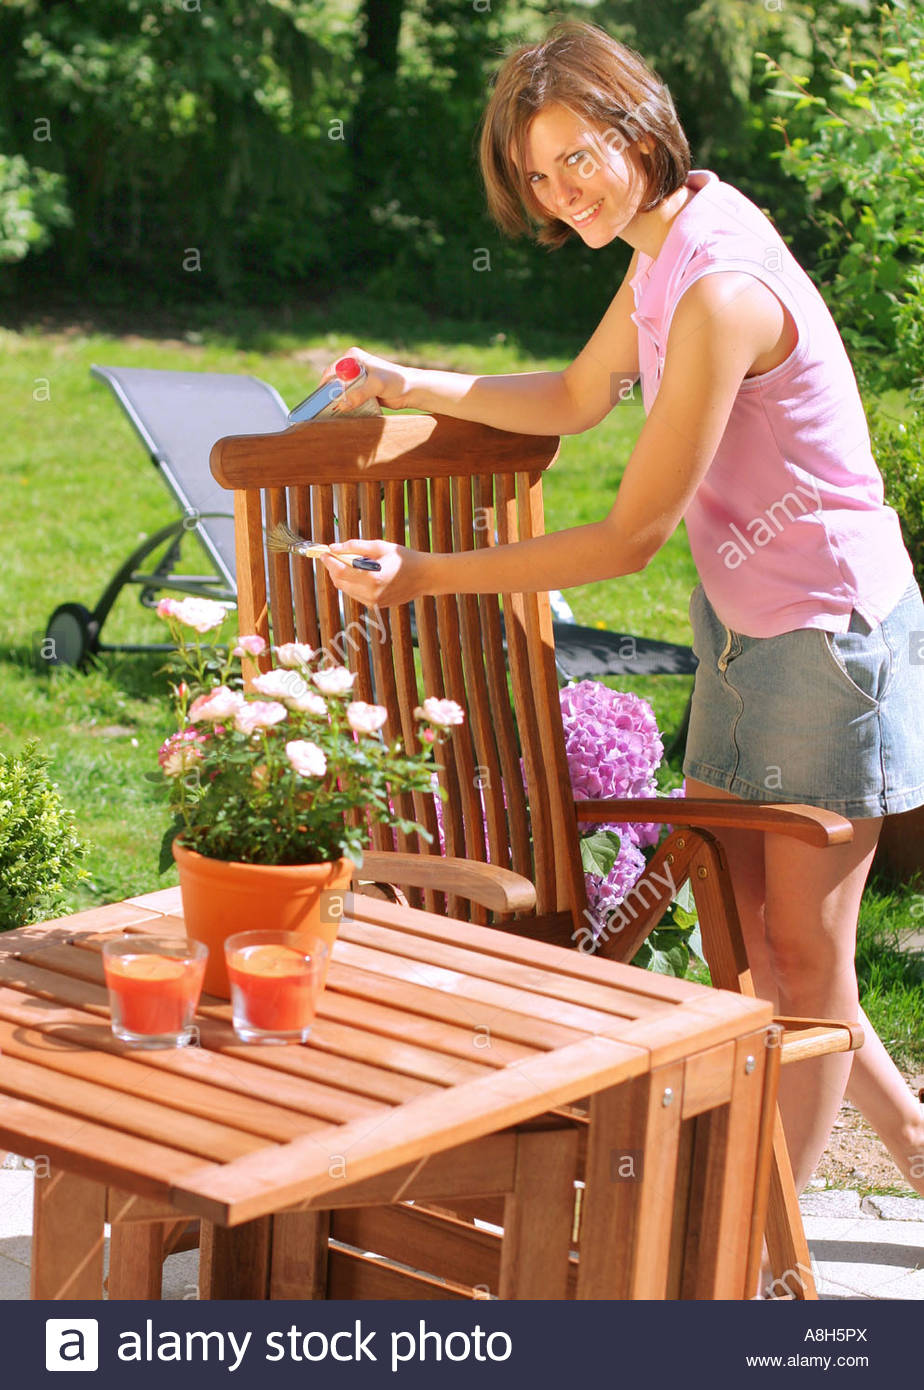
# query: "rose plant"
[295,771]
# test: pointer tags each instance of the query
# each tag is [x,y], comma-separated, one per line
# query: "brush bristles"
[282,537]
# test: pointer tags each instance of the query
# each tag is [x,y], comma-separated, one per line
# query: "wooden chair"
[511,832]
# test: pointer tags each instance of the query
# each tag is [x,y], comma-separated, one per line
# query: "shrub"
[898,447]
[39,847]
[32,202]
[858,152]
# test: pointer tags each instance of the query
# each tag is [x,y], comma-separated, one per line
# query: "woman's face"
[592,180]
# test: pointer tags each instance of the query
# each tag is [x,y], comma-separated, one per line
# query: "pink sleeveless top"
[788,528]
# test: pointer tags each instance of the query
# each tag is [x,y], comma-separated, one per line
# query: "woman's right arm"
[565,402]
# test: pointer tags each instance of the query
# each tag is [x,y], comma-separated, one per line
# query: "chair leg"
[723,943]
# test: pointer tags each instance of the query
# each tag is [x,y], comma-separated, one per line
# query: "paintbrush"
[282,537]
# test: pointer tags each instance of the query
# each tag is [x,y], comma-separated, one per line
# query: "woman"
[755,434]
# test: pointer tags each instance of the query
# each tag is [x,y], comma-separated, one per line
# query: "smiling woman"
[600,109]
[806,690]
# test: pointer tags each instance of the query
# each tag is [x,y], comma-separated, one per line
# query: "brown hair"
[577,66]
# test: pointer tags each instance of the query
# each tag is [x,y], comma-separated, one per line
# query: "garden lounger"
[178,417]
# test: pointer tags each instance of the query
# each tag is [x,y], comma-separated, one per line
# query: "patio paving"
[861,1249]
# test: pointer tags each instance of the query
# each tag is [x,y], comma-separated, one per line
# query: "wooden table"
[454,1072]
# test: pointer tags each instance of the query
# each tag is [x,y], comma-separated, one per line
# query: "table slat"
[481,993]
[534,1034]
[578,965]
[126,1114]
[135,1077]
[609,999]
[94,1150]
[258,1184]
[235,1075]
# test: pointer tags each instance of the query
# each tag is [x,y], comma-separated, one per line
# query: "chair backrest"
[439,484]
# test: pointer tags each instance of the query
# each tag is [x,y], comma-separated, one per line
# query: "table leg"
[69,1214]
[725,1174]
[234,1262]
[628,1205]
[298,1266]
[539,1216]
[137,1250]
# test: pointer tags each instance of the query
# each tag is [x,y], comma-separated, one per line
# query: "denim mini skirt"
[834,719]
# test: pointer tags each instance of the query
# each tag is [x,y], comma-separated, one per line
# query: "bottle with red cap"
[349,373]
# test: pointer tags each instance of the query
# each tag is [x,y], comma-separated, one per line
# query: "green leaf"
[599,852]
[166,845]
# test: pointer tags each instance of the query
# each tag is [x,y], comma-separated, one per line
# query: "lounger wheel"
[71,636]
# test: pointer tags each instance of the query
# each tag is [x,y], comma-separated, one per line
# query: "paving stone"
[181,1276]
[890,1208]
[835,1202]
[14,1280]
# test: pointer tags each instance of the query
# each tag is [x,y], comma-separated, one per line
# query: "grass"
[80,493]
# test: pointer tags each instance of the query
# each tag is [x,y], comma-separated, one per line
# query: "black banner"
[358,1344]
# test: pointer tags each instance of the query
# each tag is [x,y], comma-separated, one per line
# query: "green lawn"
[81,493]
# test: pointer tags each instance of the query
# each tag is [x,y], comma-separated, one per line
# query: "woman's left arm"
[721,326]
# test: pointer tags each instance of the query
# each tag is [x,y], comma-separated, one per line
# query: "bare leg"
[878,1090]
[805,965]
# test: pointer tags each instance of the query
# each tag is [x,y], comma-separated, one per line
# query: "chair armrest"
[815,1037]
[809,823]
[499,889]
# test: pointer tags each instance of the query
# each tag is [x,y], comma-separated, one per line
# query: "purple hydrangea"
[605,894]
[613,748]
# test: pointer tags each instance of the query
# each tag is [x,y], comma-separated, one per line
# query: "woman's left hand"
[401,578]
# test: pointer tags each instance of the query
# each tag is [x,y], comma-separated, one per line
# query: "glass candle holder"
[154,985]
[276,980]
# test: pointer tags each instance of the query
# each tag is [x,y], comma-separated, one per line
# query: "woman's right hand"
[385,381]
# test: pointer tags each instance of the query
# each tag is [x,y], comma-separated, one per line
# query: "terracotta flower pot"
[221,898]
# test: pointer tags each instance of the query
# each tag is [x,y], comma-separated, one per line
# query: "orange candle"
[277,984]
[154,987]
[275,979]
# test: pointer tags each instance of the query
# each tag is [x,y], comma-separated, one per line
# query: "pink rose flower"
[253,715]
[308,703]
[180,751]
[250,646]
[306,758]
[365,719]
[279,685]
[334,680]
[202,614]
[293,654]
[443,713]
[220,703]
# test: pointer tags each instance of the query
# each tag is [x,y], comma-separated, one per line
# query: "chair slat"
[303,578]
[283,626]
[252,609]
[460,747]
[518,657]
[488,770]
[521,860]
[406,688]
[556,793]
[322,530]
[382,654]
[428,642]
